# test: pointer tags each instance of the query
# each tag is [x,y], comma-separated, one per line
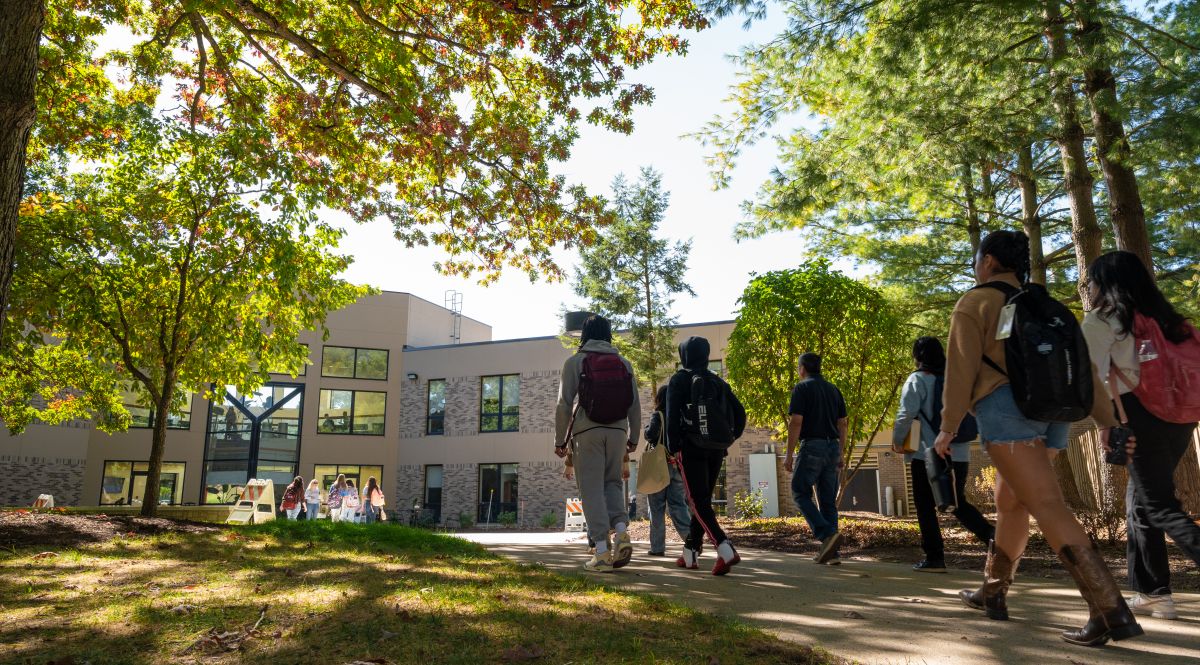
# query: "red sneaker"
[683,560]
[722,567]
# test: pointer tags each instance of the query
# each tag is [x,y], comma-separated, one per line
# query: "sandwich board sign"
[574,520]
[256,505]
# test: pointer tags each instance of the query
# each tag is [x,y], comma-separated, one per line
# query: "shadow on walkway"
[883,612]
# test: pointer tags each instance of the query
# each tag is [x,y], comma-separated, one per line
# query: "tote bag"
[653,474]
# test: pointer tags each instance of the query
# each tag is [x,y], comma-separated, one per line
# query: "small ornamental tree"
[180,265]
[631,275]
[861,337]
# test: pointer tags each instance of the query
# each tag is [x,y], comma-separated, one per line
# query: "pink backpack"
[1170,384]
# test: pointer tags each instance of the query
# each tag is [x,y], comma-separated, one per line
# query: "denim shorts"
[1001,422]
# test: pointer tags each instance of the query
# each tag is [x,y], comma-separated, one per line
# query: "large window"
[254,435]
[433,492]
[435,418]
[143,415]
[351,412]
[350,363]
[326,474]
[124,483]
[497,491]
[500,403]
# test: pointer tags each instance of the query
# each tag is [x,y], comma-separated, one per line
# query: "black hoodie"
[693,356]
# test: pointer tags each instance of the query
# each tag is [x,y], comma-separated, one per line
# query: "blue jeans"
[314,509]
[817,467]
[671,497]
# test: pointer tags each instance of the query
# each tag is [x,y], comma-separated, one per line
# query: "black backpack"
[713,417]
[1047,359]
[968,429]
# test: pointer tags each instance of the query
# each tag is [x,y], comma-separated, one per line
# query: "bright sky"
[689,92]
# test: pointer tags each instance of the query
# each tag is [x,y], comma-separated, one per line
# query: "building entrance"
[256,435]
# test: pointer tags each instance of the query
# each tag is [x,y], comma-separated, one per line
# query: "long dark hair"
[371,486]
[595,327]
[1126,287]
[929,355]
[297,484]
[1011,251]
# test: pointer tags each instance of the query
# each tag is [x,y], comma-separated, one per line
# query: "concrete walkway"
[875,612]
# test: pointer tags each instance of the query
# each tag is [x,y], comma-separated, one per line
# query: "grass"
[308,592]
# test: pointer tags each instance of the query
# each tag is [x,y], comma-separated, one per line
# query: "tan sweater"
[972,335]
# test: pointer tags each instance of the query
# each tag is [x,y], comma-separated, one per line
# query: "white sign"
[574,520]
[764,484]
[256,505]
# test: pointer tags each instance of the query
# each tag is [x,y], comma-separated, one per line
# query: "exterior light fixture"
[412,376]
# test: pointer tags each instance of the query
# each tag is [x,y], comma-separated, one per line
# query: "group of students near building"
[344,501]
[984,381]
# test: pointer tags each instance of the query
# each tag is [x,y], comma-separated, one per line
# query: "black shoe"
[927,566]
[829,548]
[656,553]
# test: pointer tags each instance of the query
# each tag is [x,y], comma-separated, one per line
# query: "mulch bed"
[873,537]
[23,528]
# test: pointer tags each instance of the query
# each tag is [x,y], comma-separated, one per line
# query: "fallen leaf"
[131,594]
[713,660]
[183,609]
[852,615]
[72,587]
[45,555]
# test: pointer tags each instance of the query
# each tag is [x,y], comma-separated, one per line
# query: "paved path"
[906,617]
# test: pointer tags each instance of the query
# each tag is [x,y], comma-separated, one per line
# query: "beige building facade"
[458,428]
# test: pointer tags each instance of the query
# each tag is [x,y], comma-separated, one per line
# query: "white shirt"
[1108,346]
[312,495]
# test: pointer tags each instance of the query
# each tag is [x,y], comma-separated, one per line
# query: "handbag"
[941,480]
[653,474]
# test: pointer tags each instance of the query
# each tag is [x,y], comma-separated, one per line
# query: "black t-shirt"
[821,405]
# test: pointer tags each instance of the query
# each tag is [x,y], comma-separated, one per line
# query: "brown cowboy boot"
[1109,615]
[997,576]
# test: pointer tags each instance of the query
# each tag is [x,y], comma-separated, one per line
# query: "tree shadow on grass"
[339,593]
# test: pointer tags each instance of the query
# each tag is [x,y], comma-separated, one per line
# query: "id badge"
[1005,325]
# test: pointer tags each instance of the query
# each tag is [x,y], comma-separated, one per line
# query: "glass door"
[166,488]
[256,435]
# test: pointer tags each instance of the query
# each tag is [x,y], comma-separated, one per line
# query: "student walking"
[372,500]
[703,418]
[989,333]
[599,418]
[818,422]
[670,499]
[921,399]
[1131,321]
[351,503]
[334,496]
[312,497]
[293,498]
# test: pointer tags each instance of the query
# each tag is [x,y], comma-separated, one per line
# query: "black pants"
[927,516]
[701,468]
[1151,507]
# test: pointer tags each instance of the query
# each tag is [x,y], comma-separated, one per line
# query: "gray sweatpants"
[598,456]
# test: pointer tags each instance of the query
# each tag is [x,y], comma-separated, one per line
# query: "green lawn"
[336,593]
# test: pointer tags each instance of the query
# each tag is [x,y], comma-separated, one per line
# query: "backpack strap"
[992,363]
[1004,287]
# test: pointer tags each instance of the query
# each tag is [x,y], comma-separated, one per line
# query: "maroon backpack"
[605,388]
[1170,385]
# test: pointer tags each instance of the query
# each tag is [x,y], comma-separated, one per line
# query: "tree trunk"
[1112,145]
[974,231]
[20,32]
[1077,179]
[1030,219]
[158,445]
[988,191]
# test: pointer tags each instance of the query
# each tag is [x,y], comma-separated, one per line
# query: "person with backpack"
[333,498]
[921,399]
[599,417]
[293,499]
[1017,358]
[372,500]
[703,418]
[1152,354]
[818,423]
[670,499]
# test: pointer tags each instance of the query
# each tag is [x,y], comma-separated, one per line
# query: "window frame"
[482,503]
[133,470]
[351,414]
[152,413]
[429,417]
[387,367]
[500,415]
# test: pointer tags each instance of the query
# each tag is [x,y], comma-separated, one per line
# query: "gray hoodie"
[568,390]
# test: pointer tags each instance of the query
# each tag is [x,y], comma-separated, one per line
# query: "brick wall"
[462,406]
[412,409]
[543,489]
[27,477]
[410,486]
[460,491]
[539,398]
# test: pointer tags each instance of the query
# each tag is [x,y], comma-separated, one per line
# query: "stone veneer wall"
[410,486]
[543,489]
[27,477]
[462,406]
[539,400]
[460,492]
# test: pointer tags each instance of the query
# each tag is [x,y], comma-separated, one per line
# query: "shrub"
[748,505]
[465,520]
[549,521]
[981,490]
[507,519]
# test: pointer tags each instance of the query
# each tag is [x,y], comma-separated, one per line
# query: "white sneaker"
[600,563]
[1159,607]
[622,550]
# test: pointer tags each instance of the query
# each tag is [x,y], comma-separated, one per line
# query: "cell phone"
[1117,438]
